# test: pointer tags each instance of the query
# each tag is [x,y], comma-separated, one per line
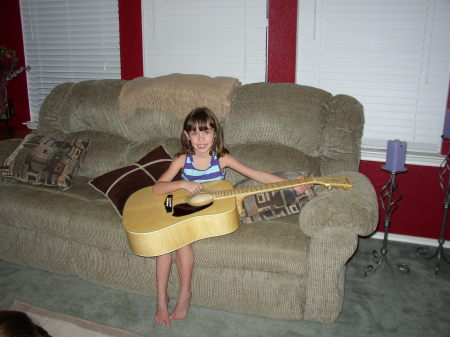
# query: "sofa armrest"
[325,281]
[355,209]
[333,220]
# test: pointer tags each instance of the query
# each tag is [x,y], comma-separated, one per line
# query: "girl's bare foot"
[182,308]
[162,312]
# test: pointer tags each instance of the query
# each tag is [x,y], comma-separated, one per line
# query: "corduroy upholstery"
[288,268]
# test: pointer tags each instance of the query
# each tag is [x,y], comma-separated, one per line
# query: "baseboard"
[417,240]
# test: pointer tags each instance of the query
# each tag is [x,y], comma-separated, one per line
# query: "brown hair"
[200,118]
[19,324]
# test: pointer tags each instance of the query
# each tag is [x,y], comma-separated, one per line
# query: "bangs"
[200,120]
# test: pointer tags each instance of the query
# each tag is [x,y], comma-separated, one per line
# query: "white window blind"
[209,37]
[392,55]
[68,41]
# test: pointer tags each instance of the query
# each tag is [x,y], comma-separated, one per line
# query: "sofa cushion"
[45,161]
[271,158]
[118,185]
[279,113]
[274,246]
[86,105]
[98,226]
[47,210]
[106,152]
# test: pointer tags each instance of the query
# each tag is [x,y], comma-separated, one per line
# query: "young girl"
[203,157]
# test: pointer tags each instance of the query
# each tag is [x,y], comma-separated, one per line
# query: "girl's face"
[202,141]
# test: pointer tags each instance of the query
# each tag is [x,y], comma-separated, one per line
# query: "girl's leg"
[185,265]
[163,265]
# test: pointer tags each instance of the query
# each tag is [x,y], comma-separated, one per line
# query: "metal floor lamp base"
[445,185]
[389,197]
[438,254]
[379,258]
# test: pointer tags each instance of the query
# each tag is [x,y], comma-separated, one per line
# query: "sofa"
[290,268]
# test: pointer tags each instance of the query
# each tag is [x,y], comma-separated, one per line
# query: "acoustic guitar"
[157,224]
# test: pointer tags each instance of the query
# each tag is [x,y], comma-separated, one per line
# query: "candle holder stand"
[389,197]
[444,180]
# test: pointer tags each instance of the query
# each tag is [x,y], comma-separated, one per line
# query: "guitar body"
[152,231]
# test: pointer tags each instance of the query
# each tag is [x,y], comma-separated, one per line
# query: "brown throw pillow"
[118,185]
[275,204]
[41,160]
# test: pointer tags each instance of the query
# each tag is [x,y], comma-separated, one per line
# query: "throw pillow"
[45,161]
[118,185]
[275,204]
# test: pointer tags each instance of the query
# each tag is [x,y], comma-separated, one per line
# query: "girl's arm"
[165,184]
[258,175]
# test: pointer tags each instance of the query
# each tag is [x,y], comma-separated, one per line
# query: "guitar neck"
[328,182]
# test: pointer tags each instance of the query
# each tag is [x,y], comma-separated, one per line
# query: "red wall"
[282,40]
[11,38]
[130,26]
[420,211]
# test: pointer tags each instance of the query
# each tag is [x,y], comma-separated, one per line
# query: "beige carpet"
[60,325]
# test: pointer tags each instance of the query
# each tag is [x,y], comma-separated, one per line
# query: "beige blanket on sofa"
[177,94]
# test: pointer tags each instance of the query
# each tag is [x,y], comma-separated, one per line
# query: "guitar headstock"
[332,182]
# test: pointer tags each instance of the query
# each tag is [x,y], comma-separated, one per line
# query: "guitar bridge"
[186,209]
[168,203]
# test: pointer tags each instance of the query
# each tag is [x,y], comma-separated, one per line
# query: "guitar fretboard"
[328,182]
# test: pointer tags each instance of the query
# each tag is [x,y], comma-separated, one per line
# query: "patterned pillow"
[45,161]
[118,185]
[275,204]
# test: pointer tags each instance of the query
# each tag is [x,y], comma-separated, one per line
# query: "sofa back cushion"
[82,106]
[279,114]
[106,152]
[341,149]
[93,106]
[271,158]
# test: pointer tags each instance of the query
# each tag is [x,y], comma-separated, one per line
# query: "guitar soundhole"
[186,209]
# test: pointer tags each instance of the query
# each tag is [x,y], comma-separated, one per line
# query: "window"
[208,37]
[68,41]
[392,55]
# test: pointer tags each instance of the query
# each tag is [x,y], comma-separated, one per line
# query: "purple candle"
[447,125]
[395,156]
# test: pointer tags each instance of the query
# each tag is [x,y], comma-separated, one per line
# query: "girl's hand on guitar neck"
[302,188]
[192,187]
